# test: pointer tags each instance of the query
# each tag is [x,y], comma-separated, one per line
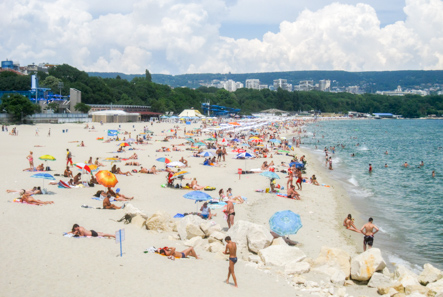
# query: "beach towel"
[18,200]
[101,199]
[179,215]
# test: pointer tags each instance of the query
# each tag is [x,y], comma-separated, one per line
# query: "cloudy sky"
[238,36]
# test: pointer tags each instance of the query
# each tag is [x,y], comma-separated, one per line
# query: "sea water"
[405,203]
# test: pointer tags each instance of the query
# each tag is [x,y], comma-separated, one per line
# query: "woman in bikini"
[238,199]
[349,224]
[30,200]
[171,252]
[30,158]
[123,173]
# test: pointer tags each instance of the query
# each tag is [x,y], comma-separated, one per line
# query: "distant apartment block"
[353,89]
[253,84]
[324,85]
[400,92]
[15,66]
[282,84]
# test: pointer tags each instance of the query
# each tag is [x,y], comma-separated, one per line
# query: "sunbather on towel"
[171,251]
[81,231]
[107,204]
[30,200]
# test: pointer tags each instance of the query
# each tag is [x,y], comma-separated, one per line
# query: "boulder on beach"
[405,276]
[280,255]
[187,232]
[254,236]
[208,227]
[380,280]
[363,266]
[430,274]
[138,221]
[296,267]
[334,257]
[216,236]
[160,221]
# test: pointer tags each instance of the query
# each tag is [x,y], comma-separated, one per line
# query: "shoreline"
[34,233]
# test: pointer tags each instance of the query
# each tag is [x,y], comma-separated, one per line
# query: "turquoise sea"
[406,203]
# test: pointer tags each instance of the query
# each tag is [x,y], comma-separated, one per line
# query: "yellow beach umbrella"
[47,158]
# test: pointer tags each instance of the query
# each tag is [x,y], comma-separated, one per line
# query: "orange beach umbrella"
[106,178]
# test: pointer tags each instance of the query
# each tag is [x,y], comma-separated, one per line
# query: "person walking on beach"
[30,158]
[231,250]
[49,132]
[368,230]
[68,157]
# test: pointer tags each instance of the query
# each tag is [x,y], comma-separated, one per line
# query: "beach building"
[115,116]
[144,111]
[192,113]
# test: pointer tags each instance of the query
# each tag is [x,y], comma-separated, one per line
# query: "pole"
[120,235]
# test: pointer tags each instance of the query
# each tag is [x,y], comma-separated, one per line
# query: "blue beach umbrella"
[285,222]
[245,155]
[199,144]
[207,154]
[270,174]
[275,141]
[43,176]
[197,196]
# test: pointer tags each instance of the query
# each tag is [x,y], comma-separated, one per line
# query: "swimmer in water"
[433,173]
[386,153]
[386,165]
[405,165]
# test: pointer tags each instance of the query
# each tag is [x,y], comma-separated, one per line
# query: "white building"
[353,89]
[400,92]
[253,84]
[282,84]
[324,85]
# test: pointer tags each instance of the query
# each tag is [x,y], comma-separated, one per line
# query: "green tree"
[18,106]
[148,75]
[82,107]
[54,106]
[52,83]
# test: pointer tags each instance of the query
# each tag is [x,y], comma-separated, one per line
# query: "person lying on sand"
[133,157]
[33,191]
[118,196]
[132,164]
[81,231]
[30,200]
[171,252]
[123,173]
[97,163]
[237,199]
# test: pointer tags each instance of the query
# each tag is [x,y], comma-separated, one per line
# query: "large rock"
[405,276]
[195,242]
[295,267]
[436,287]
[133,211]
[190,220]
[279,255]
[379,280]
[216,247]
[334,257]
[409,290]
[216,236]
[254,236]
[208,227]
[334,273]
[386,289]
[279,241]
[364,265]
[139,221]
[160,221]
[429,274]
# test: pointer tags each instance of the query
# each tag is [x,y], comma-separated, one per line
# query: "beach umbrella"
[206,154]
[255,140]
[164,160]
[131,140]
[283,151]
[270,175]
[275,140]
[43,176]
[175,164]
[106,178]
[124,144]
[234,124]
[211,139]
[190,139]
[199,144]
[47,158]
[235,139]
[285,222]
[178,174]
[245,155]
[197,196]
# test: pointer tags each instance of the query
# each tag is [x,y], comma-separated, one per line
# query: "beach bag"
[48,168]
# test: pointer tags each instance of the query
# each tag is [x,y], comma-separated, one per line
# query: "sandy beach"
[38,260]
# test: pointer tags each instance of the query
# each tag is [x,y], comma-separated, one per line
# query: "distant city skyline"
[221,36]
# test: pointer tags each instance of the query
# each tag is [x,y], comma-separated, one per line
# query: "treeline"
[161,98]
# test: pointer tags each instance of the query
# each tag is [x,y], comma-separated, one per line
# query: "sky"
[221,36]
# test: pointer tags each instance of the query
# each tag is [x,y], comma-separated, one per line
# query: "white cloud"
[178,36]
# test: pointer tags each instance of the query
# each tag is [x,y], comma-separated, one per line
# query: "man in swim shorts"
[368,232]
[80,231]
[231,250]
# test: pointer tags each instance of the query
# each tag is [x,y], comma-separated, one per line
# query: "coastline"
[34,238]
